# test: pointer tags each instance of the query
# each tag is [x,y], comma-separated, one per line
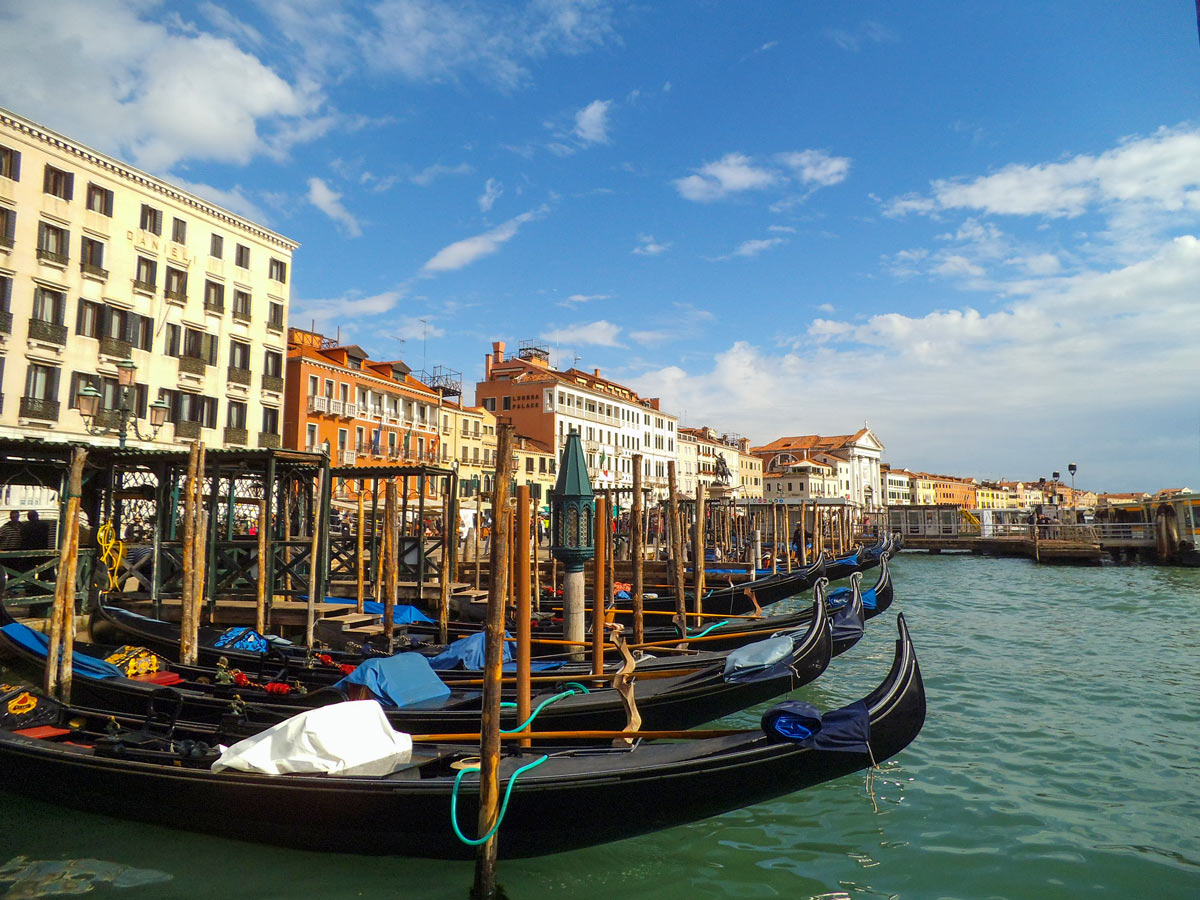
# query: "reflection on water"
[1058,760]
[27,879]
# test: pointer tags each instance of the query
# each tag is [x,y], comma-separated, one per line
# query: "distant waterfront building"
[469,438]
[809,479]
[898,485]
[989,495]
[101,263]
[855,458]
[615,423]
[364,412]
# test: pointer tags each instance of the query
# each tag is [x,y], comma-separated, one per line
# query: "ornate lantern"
[573,509]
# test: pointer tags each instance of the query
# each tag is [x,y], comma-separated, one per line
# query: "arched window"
[572,526]
[585,532]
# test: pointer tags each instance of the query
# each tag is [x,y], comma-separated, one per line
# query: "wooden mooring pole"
[635,538]
[264,566]
[698,555]
[489,733]
[360,556]
[599,570]
[524,607]
[676,550]
[62,617]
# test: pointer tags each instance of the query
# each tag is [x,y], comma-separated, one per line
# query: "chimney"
[487,367]
[595,373]
[498,351]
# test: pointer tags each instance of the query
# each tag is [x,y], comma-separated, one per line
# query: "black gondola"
[680,701]
[576,798]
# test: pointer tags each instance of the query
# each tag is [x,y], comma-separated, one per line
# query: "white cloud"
[755,247]
[463,253]
[329,201]
[1039,264]
[491,193]
[233,199]
[601,333]
[817,167]
[591,122]
[147,91]
[826,307]
[578,299]
[868,32]
[1113,345]
[650,247]
[345,311]
[781,229]
[430,174]
[731,174]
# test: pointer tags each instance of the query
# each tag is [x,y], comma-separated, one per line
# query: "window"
[239,355]
[5,293]
[214,296]
[192,343]
[91,256]
[489,403]
[110,392]
[176,284]
[57,182]
[99,200]
[8,226]
[89,319]
[275,315]
[273,364]
[241,256]
[241,304]
[151,219]
[141,331]
[179,231]
[147,274]
[529,465]
[41,382]
[216,246]
[270,420]
[278,270]
[313,383]
[310,438]
[10,163]
[235,416]
[53,243]
[507,402]
[189,407]
[49,306]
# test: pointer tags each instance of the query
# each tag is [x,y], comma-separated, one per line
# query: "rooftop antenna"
[424,343]
[576,363]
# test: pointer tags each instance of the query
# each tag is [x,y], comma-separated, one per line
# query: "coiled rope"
[112,552]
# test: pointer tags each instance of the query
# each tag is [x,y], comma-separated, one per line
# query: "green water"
[1059,759]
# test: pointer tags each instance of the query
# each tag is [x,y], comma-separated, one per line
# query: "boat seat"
[43,732]
[164,679]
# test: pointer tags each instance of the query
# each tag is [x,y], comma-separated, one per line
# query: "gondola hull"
[575,799]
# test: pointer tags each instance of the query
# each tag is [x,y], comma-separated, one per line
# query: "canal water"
[1059,759]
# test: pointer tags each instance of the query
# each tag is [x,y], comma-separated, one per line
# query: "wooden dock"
[1057,543]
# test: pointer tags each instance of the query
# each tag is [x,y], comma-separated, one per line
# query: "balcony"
[52,258]
[350,410]
[6,242]
[239,376]
[216,307]
[189,430]
[95,271]
[318,404]
[268,441]
[108,418]
[192,365]
[5,322]
[275,324]
[34,408]
[111,346]
[347,457]
[146,287]
[175,296]
[336,407]
[272,383]
[241,315]
[235,435]
[48,332]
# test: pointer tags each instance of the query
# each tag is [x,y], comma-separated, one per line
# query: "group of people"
[32,534]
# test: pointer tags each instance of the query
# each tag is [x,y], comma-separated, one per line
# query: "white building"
[101,264]
[856,458]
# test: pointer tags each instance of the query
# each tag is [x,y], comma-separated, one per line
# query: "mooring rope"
[112,551]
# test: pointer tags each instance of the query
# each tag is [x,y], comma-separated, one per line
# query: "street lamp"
[1072,468]
[87,401]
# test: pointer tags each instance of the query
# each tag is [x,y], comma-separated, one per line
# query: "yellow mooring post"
[524,607]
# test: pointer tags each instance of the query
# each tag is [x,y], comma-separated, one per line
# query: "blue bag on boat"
[845,730]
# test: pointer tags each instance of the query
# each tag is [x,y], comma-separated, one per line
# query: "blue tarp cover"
[242,639]
[398,681]
[467,653]
[846,730]
[841,596]
[402,613]
[750,662]
[847,624]
[38,643]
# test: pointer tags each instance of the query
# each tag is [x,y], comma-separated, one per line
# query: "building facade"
[101,265]
[615,423]
[363,412]
[855,457]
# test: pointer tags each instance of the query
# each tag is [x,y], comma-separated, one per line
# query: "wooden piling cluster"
[60,652]
[195,529]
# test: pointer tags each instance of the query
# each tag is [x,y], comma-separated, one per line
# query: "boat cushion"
[242,639]
[164,679]
[846,730]
[351,738]
[37,643]
[398,681]
[43,732]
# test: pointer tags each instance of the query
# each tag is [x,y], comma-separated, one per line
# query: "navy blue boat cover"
[467,653]
[846,730]
[841,596]
[398,681]
[847,625]
[37,643]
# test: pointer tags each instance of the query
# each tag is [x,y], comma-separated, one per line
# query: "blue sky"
[972,226]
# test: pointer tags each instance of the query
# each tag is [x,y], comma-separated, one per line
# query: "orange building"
[366,412]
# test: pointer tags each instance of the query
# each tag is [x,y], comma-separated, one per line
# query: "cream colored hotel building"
[100,263]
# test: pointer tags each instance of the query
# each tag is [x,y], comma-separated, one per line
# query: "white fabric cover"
[350,738]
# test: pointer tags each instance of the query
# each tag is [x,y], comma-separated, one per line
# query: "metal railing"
[111,346]
[272,383]
[269,441]
[238,375]
[41,330]
[35,408]
[235,435]
[192,365]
